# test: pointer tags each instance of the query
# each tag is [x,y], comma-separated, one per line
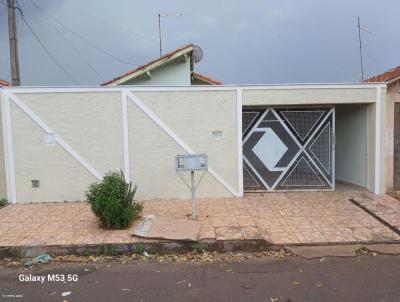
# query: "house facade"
[175,68]
[260,138]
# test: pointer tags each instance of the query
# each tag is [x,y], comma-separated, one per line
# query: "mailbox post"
[192,163]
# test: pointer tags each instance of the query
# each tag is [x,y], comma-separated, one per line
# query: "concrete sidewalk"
[278,218]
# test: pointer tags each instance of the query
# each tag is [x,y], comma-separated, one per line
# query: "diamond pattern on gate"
[320,148]
[302,122]
[248,118]
[288,149]
[302,175]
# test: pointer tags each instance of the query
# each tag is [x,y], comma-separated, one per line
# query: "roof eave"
[166,60]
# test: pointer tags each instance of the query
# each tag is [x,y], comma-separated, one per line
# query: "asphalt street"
[364,278]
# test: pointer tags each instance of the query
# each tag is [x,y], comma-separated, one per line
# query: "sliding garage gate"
[288,149]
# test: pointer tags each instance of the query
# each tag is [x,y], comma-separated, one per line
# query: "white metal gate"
[288,149]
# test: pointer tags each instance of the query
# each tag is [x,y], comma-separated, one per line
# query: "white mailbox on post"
[192,163]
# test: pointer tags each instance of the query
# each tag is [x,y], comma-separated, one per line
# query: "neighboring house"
[392,79]
[4,83]
[174,68]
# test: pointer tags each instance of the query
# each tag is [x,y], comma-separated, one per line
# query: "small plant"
[112,201]
[199,247]
[138,249]
[111,250]
[87,253]
[3,202]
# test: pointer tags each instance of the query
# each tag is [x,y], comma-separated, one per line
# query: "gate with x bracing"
[286,149]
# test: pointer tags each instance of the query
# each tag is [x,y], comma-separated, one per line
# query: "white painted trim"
[257,174]
[180,142]
[284,170]
[295,166]
[297,155]
[125,134]
[159,122]
[256,125]
[308,142]
[329,125]
[239,106]
[30,113]
[76,155]
[59,139]
[8,148]
[378,109]
[68,89]
[333,171]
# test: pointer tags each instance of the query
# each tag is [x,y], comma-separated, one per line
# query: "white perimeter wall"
[164,122]
[91,124]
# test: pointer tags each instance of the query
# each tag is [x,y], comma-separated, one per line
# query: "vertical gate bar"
[8,147]
[125,135]
[239,102]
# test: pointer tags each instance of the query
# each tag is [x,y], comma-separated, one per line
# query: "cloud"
[208,21]
[243,25]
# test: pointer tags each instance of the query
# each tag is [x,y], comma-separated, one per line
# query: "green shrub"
[111,200]
[3,202]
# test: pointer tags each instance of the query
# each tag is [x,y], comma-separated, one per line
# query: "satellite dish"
[197,53]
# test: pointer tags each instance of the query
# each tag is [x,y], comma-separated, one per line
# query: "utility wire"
[122,27]
[46,50]
[83,38]
[71,45]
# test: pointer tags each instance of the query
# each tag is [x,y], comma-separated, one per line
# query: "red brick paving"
[280,218]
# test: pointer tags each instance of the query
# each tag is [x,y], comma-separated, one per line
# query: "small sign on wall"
[49,139]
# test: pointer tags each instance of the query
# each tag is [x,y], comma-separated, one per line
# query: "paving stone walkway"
[280,218]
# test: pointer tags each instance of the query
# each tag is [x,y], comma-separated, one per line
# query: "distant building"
[392,79]
[4,83]
[175,68]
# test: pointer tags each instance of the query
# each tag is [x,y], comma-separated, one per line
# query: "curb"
[164,247]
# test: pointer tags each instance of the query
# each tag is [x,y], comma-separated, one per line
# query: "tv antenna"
[361,28]
[159,25]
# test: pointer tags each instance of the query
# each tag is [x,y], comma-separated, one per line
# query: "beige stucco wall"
[192,116]
[284,96]
[91,123]
[3,187]
[385,141]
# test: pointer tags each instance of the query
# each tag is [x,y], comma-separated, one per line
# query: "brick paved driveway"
[280,218]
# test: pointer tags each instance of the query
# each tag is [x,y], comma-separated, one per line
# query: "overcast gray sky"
[255,41]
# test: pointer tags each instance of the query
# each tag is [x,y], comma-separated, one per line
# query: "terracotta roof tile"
[386,76]
[205,79]
[4,83]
